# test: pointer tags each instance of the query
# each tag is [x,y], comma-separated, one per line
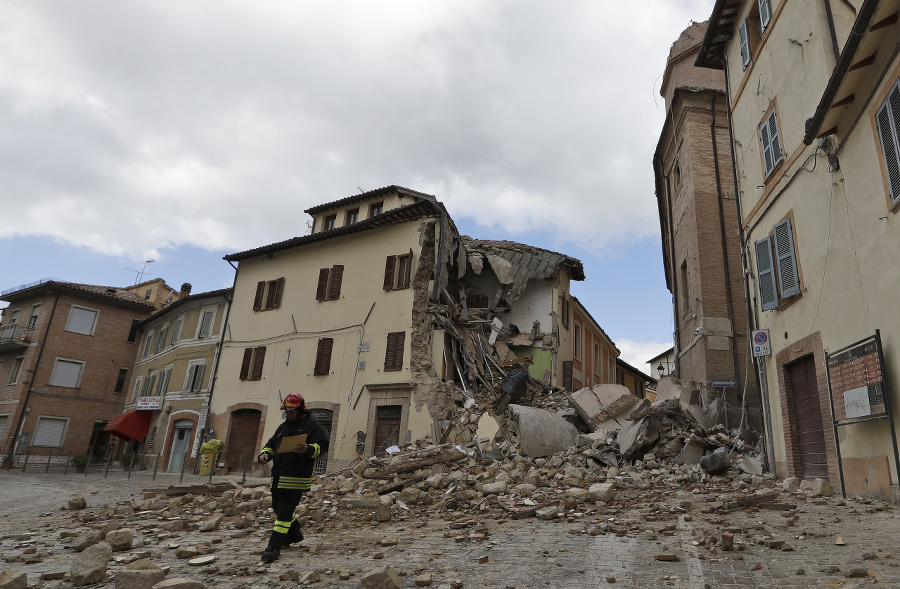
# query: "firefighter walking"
[291,471]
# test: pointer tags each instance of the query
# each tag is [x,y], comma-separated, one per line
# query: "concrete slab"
[542,433]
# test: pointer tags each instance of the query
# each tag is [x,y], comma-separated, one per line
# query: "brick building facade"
[65,365]
[701,244]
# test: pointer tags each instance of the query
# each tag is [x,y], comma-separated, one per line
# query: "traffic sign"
[722,383]
[761,344]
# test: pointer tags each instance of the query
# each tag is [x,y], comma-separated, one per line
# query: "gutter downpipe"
[842,66]
[761,382]
[728,293]
[21,421]
[215,371]
[831,29]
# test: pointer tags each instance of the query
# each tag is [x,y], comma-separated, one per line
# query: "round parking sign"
[761,338]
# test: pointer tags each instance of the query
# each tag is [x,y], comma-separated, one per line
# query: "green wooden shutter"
[765,274]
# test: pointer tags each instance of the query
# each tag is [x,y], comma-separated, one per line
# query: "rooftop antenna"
[139,274]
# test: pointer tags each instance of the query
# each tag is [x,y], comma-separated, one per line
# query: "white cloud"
[639,353]
[133,127]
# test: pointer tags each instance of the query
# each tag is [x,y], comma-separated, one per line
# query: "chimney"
[185,290]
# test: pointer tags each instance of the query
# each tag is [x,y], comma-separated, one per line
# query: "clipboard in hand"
[291,443]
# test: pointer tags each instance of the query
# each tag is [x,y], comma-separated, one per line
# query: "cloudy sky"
[181,131]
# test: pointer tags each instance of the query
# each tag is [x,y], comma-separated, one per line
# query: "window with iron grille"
[325,418]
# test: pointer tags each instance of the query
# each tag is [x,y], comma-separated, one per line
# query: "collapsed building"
[390,323]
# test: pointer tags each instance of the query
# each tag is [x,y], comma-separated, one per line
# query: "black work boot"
[273,550]
[294,534]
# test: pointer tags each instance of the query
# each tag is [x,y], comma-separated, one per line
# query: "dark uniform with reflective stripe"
[292,473]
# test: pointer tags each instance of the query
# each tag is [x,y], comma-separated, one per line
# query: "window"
[132,332]
[397,271]
[765,15]
[376,209]
[888,121]
[147,294]
[137,388]
[744,33]
[82,320]
[564,311]
[577,341]
[784,262]
[252,365]
[32,318]
[49,432]
[268,294]
[329,222]
[771,143]
[206,319]
[752,29]
[13,317]
[684,287]
[596,358]
[14,371]
[161,340]
[120,380]
[393,356]
[147,343]
[330,280]
[193,382]
[66,373]
[163,386]
[352,217]
[323,357]
[176,331]
[148,384]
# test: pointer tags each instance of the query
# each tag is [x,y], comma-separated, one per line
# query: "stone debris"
[13,579]
[90,566]
[179,583]
[121,539]
[387,578]
[76,501]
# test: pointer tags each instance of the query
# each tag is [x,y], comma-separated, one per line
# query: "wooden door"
[808,418]
[242,438]
[387,427]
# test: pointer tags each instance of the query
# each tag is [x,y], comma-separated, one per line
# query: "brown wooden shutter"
[567,374]
[408,273]
[323,284]
[260,289]
[389,266]
[393,357]
[334,286]
[323,356]
[270,296]
[245,365]
[258,363]
[279,287]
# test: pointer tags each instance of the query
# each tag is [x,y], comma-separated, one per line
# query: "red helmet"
[293,401]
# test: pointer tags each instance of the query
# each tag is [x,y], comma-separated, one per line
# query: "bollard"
[68,460]
[24,464]
[130,466]
[246,464]
[181,474]
[49,458]
[155,466]
[87,467]
[106,470]
[212,467]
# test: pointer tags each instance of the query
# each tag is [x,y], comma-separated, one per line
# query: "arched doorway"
[242,437]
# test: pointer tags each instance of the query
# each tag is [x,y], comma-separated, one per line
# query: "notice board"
[856,377]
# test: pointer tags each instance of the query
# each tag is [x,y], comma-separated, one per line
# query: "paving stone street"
[573,552]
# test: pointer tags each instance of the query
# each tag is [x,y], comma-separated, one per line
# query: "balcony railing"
[14,336]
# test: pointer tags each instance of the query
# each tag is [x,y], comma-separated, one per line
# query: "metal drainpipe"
[728,293]
[831,29]
[753,321]
[21,421]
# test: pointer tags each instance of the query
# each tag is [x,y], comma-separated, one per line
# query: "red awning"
[131,425]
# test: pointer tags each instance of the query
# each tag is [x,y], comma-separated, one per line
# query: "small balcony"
[14,337]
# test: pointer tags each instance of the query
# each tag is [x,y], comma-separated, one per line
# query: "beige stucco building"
[386,320]
[173,377]
[813,90]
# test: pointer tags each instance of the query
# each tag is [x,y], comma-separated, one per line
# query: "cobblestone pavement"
[570,553]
